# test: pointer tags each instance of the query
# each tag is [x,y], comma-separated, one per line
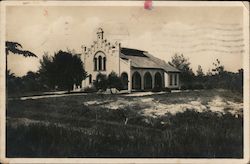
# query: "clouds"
[199,33]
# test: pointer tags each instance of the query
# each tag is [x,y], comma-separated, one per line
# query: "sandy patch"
[216,105]
[96,102]
[148,106]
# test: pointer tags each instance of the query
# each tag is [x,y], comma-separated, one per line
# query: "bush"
[156,89]
[187,134]
[167,89]
[90,90]
[198,86]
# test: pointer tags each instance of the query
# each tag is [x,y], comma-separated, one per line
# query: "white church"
[138,69]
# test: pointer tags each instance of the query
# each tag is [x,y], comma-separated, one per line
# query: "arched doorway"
[124,78]
[136,81]
[147,81]
[158,80]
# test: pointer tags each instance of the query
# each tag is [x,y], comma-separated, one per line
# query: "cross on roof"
[100,33]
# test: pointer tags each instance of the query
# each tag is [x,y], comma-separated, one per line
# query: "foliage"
[112,81]
[183,64]
[217,78]
[90,89]
[65,126]
[63,70]
[187,134]
[199,71]
[101,82]
[218,68]
[31,82]
[15,48]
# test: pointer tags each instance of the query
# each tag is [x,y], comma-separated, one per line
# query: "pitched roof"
[142,59]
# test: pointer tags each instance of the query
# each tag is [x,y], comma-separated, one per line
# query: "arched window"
[104,63]
[147,81]
[136,81]
[124,78]
[95,64]
[90,79]
[100,62]
[158,80]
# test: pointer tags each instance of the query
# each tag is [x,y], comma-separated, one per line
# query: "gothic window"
[100,63]
[95,64]
[104,63]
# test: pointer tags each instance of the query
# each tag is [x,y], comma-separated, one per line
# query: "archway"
[124,78]
[136,81]
[158,80]
[147,81]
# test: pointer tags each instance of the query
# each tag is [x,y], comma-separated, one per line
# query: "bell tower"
[100,33]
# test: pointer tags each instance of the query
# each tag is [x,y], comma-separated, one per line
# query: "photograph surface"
[124,81]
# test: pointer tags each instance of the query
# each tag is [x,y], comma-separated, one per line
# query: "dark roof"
[142,59]
[132,52]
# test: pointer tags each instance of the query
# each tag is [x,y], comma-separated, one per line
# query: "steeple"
[100,33]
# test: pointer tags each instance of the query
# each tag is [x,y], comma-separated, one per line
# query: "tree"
[104,82]
[218,67]
[199,71]
[114,82]
[62,70]
[101,82]
[209,73]
[15,48]
[32,82]
[182,63]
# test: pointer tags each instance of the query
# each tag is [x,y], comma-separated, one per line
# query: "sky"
[201,34]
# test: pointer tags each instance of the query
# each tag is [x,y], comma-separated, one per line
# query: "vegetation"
[15,48]
[182,63]
[217,78]
[104,82]
[63,70]
[67,127]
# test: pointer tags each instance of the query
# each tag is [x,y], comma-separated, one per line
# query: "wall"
[152,72]
[111,52]
[167,80]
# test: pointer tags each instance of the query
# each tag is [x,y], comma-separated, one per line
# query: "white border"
[124,160]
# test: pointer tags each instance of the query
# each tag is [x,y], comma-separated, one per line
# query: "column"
[129,81]
[153,80]
[142,80]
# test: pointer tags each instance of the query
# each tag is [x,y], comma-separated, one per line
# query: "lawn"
[207,123]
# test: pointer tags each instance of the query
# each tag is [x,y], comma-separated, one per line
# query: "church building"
[138,69]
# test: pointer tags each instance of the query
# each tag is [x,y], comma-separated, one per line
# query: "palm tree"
[14,47]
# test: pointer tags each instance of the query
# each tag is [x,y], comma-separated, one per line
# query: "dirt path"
[49,96]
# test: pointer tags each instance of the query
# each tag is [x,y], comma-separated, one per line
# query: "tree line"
[65,69]
[217,77]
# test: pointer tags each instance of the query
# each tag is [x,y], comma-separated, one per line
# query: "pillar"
[142,81]
[153,80]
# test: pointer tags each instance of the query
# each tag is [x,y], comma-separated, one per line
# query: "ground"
[204,123]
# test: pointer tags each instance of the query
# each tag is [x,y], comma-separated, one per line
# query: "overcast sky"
[201,34]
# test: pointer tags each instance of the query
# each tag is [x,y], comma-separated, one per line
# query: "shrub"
[167,89]
[183,87]
[198,86]
[90,90]
[156,89]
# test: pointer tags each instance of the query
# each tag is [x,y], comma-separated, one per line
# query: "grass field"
[207,123]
